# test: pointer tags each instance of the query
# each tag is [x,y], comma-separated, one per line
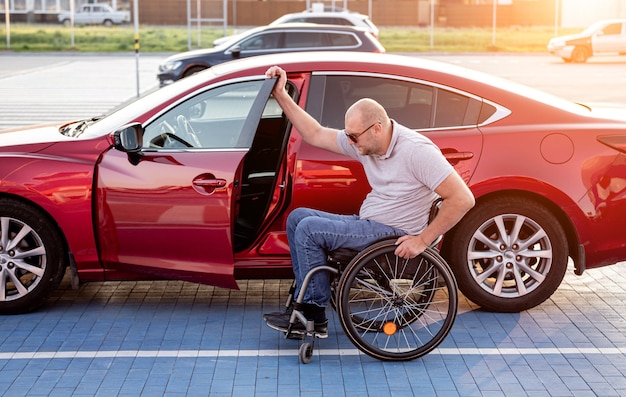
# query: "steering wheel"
[185,126]
[168,140]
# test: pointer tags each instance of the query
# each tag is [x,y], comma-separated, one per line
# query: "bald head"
[367,111]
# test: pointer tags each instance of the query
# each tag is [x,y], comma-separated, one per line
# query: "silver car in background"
[603,37]
[323,17]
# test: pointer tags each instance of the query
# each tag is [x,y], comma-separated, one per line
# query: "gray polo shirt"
[402,180]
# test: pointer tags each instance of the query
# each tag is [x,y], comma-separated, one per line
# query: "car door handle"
[207,183]
[214,183]
[454,157]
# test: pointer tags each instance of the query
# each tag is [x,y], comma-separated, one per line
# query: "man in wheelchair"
[406,171]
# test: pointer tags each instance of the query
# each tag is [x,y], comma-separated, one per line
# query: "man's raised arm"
[312,132]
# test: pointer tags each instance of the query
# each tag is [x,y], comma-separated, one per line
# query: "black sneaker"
[283,314]
[281,323]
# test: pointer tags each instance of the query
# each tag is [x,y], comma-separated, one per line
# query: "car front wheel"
[31,257]
[580,54]
[508,254]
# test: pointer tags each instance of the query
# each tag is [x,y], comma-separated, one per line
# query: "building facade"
[446,13]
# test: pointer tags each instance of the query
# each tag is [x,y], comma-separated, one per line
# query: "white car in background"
[95,14]
[603,37]
[343,17]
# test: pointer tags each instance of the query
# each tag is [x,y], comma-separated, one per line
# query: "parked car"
[195,181]
[603,37]
[323,17]
[95,14]
[267,40]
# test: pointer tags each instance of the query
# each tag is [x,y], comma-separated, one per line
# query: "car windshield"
[231,40]
[596,27]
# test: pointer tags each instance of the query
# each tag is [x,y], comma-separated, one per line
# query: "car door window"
[305,40]
[343,40]
[408,103]
[212,119]
[614,28]
[264,41]
[450,109]
[413,104]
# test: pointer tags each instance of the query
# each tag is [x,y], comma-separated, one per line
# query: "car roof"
[305,26]
[293,26]
[344,14]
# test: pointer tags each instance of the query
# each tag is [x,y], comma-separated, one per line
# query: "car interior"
[259,177]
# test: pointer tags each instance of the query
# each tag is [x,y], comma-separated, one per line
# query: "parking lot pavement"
[177,338]
[39,88]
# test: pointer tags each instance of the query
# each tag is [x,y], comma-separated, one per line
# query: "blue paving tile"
[173,323]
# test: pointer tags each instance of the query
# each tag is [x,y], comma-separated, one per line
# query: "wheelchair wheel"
[396,309]
[305,352]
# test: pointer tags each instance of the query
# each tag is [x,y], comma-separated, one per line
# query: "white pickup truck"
[95,14]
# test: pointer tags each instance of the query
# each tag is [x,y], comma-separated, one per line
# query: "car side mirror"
[235,51]
[129,139]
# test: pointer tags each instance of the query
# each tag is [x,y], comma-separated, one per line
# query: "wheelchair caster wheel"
[306,352]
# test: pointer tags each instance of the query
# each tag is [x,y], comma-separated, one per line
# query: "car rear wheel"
[31,257]
[580,54]
[508,254]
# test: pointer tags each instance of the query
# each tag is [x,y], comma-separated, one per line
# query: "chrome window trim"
[191,149]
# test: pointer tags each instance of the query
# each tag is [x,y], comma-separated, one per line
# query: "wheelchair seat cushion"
[341,256]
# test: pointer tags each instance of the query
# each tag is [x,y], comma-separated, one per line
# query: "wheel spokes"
[22,259]
[509,253]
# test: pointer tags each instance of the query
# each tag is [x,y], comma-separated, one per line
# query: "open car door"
[168,210]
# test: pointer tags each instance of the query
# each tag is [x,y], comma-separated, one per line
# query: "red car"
[195,181]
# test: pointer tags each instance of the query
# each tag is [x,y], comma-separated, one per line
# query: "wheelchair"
[391,308]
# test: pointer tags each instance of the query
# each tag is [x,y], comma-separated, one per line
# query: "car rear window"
[343,40]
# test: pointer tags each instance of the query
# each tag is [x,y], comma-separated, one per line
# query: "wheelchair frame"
[390,308]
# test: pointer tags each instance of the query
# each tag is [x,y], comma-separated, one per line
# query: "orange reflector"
[390,328]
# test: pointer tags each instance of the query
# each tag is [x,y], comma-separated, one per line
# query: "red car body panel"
[168,215]
[59,179]
[172,214]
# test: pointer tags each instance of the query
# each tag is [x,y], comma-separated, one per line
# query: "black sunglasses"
[355,137]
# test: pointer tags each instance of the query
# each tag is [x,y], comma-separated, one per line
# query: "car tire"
[108,23]
[193,70]
[67,22]
[496,266]
[580,54]
[31,257]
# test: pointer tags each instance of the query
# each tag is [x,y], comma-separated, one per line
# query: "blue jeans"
[312,234]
